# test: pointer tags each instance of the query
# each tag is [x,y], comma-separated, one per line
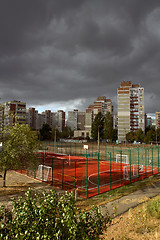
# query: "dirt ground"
[136,224]
[132,225]
[17,184]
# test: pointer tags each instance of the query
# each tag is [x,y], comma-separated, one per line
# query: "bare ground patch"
[17,184]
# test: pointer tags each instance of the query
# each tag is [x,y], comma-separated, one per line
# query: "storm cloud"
[66,53]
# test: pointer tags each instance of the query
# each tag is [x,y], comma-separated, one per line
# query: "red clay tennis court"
[87,175]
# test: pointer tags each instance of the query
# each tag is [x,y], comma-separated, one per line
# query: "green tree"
[158,134]
[139,135]
[97,125]
[45,132]
[55,134]
[67,132]
[45,216]
[150,136]
[19,145]
[115,135]
[130,137]
[108,127]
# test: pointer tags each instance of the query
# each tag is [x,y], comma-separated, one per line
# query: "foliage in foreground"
[45,216]
[154,208]
[19,145]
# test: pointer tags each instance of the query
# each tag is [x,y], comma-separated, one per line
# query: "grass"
[117,193]
[140,222]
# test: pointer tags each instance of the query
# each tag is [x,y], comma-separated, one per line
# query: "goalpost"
[122,158]
[44,173]
[132,171]
[61,150]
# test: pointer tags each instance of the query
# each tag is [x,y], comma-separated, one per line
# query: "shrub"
[45,216]
[154,208]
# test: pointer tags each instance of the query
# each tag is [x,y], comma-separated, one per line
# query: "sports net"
[122,158]
[132,171]
[44,173]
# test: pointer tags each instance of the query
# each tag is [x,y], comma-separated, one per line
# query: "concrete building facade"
[73,119]
[31,117]
[60,120]
[130,109]
[102,104]
[157,120]
[76,120]
[13,112]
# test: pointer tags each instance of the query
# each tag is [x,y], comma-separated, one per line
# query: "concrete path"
[123,204]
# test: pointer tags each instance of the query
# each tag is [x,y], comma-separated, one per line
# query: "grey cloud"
[71,51]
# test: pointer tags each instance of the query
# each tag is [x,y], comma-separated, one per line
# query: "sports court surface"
[90,176]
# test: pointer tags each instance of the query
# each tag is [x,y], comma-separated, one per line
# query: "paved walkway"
[123,204]
[116,207]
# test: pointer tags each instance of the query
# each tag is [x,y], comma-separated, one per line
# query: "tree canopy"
[45,132]
[105,125]
[45,216]
[108,127]
[97,125]
[19,145]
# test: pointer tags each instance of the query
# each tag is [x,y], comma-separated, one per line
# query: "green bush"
[154,208]
[45,216]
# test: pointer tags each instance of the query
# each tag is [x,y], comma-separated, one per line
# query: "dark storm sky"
[62,54]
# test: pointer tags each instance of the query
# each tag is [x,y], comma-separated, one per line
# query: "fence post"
[98,172]
[121,166]
[52,171]
[75,176]
[27,167]
[86,174]
[43,167]
[146,161]
[152,160]
[62,173]
[110,173]
[138,162]
[130,162]
[158,159]
[113,153]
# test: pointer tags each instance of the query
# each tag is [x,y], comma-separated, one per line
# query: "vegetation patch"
[46,216]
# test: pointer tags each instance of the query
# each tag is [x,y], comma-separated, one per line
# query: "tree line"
[48,133]
[151,135]
[103,125]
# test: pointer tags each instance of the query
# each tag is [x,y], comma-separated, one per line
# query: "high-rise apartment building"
[157,121]
[76,120]
[31,117]
[47,117]
[88,119]
[60,120]
[81,121]
[13,112]
[103,105]
[73,119]
[130,109]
